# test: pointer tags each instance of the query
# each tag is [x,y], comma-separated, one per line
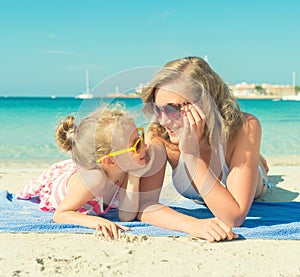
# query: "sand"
[39,254]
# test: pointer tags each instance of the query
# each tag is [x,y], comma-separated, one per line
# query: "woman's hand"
[108,228]
[211,229]
[193,130]
[156,158]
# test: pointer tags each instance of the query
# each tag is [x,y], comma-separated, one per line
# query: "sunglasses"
[171,110]
[136,148]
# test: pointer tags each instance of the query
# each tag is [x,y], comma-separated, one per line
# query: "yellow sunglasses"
[136,148]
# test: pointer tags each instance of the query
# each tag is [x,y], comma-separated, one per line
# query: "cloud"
[61,52]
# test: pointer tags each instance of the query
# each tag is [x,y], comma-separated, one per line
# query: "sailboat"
[295,97]
[87,94]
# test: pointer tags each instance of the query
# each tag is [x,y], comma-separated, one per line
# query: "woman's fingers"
[229,235]
[196,119]
[216,231]
[212,229]
[200,112]
[186,126]
[191,119]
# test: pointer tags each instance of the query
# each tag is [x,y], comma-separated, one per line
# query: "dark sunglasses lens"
[138,147]
[172,111]
[156,110]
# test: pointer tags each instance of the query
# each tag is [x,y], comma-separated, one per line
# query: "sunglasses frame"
[129,149]
[162,109]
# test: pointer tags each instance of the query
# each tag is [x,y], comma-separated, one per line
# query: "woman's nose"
[164,120]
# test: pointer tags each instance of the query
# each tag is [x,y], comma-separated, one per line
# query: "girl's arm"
[67,211]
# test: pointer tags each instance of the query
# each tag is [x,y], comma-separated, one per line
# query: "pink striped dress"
[51,188]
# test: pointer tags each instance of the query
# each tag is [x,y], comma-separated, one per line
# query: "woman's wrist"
[187,225]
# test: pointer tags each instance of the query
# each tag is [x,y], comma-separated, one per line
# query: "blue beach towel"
[267,220]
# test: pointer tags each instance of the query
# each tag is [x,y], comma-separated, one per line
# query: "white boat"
[295,97]
[87,94]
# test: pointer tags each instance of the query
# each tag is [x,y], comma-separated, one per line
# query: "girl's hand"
[108,228]
[211,229]
[193,130]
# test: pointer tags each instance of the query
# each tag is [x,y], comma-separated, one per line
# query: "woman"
[212,147]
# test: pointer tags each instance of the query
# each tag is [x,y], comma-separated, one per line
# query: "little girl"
[108,156]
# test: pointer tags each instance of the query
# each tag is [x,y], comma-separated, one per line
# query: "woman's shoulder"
[251,122]
[248,134]
[249,116]
[250,130]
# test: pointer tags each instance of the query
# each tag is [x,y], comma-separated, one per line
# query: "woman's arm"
[129,199]
[67,211]
[231,204]
[151,211]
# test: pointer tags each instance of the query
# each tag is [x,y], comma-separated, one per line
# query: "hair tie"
[70,134]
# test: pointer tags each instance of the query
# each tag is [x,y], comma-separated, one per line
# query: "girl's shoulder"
[93,179]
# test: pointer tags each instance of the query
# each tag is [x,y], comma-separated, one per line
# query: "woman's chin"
[173,138]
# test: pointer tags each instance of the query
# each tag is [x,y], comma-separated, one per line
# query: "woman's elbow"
[237,221]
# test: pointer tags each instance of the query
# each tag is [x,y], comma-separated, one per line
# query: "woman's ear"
[108,161]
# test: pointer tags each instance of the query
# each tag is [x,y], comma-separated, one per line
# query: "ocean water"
[27,133]
[280,121]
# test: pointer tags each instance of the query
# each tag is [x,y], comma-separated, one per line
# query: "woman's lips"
[172,131]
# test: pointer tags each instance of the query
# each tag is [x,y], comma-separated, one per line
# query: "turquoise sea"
[27,133]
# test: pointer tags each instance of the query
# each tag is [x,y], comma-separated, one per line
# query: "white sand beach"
[40,254]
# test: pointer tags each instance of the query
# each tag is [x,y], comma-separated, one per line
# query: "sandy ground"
[36,254]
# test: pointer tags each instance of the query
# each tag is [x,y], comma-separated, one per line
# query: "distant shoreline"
[129,96]
[260,97]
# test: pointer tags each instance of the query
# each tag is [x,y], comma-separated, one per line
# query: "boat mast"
[87,86]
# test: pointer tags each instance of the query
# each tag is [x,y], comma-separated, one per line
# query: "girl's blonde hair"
[92,138]
[206,88]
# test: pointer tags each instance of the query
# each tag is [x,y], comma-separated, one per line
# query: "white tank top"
[182,182]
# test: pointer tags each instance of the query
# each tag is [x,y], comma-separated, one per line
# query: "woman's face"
[166,94]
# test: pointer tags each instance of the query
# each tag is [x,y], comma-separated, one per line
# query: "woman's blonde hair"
[92,138]
[205,88]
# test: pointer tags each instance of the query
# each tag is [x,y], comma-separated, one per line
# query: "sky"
[47,46]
